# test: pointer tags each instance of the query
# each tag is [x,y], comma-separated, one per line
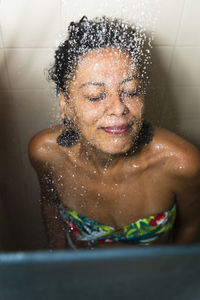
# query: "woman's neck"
[99,159]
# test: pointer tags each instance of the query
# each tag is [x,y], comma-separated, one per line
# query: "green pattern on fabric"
[143,231]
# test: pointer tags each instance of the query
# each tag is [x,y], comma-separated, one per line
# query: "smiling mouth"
[117,129]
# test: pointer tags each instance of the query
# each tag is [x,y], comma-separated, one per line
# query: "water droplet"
[135,166]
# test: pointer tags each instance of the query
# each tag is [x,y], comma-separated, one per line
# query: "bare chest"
[114,199]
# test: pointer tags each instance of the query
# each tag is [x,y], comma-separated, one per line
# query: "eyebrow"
[129,78]
[93,83]
[103,84]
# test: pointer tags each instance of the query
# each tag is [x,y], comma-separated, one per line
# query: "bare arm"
[55,228]
[188,201]
[54,225]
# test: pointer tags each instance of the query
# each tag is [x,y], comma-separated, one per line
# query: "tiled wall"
[29,32]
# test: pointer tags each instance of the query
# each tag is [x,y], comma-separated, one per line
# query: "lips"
[117,129]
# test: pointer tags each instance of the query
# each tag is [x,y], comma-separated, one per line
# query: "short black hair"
[86,35]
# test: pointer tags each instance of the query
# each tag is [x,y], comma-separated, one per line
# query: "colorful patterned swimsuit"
[142,232]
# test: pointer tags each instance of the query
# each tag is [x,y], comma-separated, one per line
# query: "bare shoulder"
[183,158]
[42,145]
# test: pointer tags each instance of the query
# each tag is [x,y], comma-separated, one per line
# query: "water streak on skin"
[135,166]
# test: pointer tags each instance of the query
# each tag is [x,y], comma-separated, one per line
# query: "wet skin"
[105,102]
[95,177]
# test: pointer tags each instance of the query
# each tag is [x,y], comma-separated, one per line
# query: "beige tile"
[10,150]
[30,23]
[154,104]
[189,129]
[5,232]
[23,213]
[8,126]
[20,187]
[1,40]
[5,107]
[181,113]
[161,59]
[4,82]
[34,111]
[190,25]
[168,21]
[26,67]
[185,66]
[182,103]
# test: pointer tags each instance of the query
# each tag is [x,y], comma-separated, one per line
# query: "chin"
[115,149]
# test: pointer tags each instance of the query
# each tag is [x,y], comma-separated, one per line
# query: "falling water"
[142,14]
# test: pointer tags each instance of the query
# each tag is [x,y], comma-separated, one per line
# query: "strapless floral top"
[142,232]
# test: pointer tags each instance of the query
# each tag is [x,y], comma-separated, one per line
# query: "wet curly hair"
[86,35]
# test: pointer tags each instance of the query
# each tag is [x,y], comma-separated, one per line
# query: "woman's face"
[105,101]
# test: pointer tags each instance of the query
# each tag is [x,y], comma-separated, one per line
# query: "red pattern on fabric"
[106,241]
[72,227]
[159,217]
[153,223]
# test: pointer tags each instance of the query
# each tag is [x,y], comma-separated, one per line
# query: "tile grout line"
[177,33]
[172,55]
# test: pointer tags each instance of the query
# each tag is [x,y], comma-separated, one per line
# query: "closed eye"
[101,97]
[130,94]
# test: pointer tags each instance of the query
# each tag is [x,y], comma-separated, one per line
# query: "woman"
[107,177]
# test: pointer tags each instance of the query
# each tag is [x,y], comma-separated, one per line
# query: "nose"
[116,105]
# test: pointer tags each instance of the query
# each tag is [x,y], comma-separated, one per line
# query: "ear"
[66,111]
[62,106]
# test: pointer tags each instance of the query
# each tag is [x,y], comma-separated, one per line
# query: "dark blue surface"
[167,272]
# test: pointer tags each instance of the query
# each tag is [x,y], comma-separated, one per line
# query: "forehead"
[104,64]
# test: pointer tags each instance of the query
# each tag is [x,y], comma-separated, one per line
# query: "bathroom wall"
[29,33]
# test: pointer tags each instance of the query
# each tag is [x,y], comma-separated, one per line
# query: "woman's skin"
[95,176]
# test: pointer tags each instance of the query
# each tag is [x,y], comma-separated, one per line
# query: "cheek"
[89,113]
[137,108]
